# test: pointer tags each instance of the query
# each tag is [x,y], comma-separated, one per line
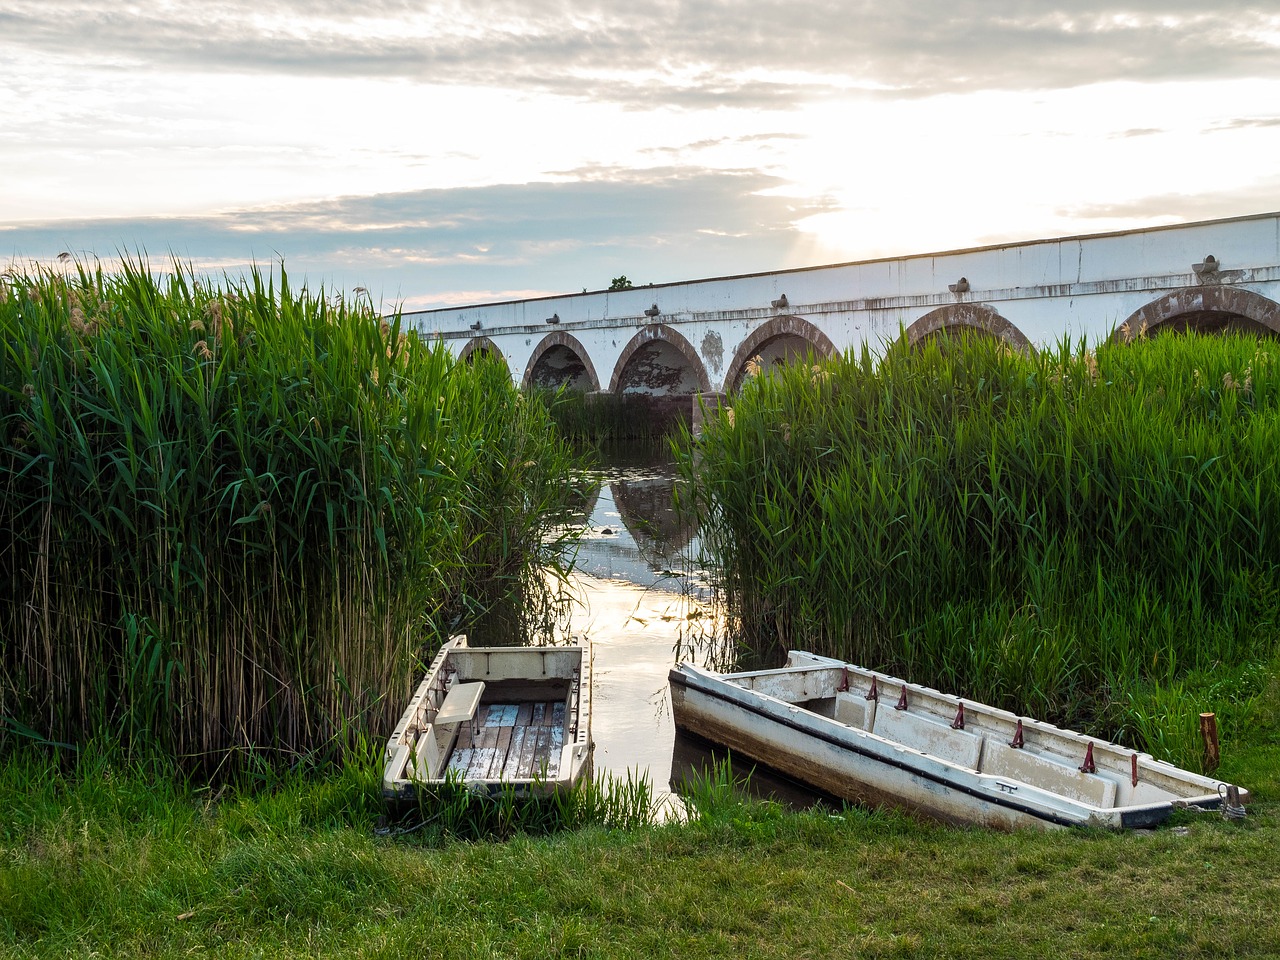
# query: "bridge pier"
[705,405]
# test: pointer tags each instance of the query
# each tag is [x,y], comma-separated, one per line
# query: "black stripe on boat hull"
[683,679]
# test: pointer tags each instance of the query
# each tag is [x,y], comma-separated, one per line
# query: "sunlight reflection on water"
[644,601]
[642,595]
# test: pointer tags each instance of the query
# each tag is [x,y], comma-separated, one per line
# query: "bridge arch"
[481,345]
[560,358]
[646,506]
[660,362]
[1215,309]
[958,317]
[779,340]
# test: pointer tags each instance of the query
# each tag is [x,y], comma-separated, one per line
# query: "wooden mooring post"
[1209,732]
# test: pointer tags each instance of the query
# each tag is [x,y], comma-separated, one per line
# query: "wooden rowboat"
[494,716]
[866,737]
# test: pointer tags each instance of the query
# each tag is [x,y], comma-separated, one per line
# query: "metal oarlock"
[1016,742]
[1088,766]
[902,701]
[958,722]
[874,692]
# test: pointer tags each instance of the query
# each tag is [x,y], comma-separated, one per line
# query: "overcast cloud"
[692,53]
[438,247]
[445,151]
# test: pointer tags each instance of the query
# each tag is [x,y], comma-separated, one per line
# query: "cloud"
[1251,198]
[1246,123]
[699,53]
[436,247]
[715,142]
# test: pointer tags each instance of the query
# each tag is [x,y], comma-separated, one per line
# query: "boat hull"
[494,719]
[856,765]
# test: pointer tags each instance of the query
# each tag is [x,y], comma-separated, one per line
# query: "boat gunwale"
[402,785]
[1030,724]
[969,781]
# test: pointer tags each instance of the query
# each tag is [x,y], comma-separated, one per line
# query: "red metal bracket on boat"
[902,701]
[844,680]
[873,693]
[958,722]
[1088,765]
[1016,742]
[1133,766]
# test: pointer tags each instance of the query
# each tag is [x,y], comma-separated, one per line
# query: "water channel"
[643,596]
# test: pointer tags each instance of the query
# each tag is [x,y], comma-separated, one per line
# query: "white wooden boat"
[869,738]
[489,716]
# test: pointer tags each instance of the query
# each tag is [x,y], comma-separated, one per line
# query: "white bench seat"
[1002,760]
[460,704]
[928,735]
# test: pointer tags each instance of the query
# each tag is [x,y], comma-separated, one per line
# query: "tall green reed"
[607,418]
[234,515]
[1046,532]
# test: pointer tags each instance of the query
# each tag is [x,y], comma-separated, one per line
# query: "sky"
[448,153]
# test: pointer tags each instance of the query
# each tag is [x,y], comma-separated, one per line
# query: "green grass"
[120,861]
[1087,533]
[1087,536]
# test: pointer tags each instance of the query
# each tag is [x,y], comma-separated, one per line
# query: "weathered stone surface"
[1025,293]
[560,358]
[1207,309]
[790,330]
[659,361]
[967,316]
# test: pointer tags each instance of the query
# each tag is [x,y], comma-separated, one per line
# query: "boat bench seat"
[460,703]
[854,710]
[1002,760]
[428,752]
[793,685]
[928,735]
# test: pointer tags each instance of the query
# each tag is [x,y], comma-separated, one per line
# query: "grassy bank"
[233,516]
[120,861]
[1090,536]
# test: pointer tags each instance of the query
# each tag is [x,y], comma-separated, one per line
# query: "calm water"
[644,599]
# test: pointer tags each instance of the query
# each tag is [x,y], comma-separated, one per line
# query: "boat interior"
[516,734]
[978,738]
[489,716]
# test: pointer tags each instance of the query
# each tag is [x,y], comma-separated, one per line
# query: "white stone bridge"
[695,338]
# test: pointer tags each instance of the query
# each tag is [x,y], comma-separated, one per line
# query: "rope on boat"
[1232,808]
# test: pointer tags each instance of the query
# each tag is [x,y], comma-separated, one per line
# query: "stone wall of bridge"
[701,337]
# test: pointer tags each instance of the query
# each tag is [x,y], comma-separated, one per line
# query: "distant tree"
[620,283]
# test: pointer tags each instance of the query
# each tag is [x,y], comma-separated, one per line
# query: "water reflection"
[633,531]
[641,593]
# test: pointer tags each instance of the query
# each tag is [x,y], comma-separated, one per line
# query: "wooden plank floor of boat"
[511,742]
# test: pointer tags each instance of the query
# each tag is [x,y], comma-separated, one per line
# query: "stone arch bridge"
[676,341]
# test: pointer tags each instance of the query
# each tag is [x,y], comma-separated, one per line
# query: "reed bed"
[1087,535]
[233,516]
[606,418]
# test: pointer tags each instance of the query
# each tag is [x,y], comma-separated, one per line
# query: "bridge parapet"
[1043,290]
